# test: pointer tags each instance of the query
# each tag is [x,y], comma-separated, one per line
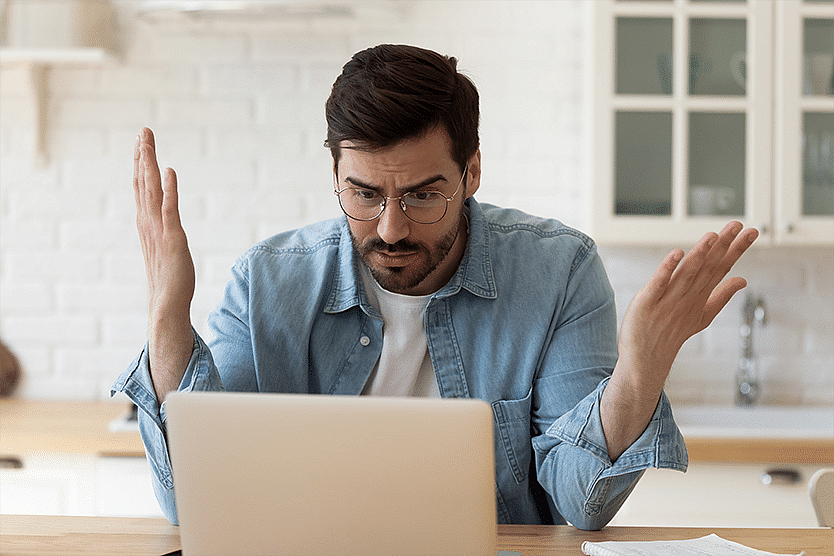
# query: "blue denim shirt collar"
[346,290]
[474,274]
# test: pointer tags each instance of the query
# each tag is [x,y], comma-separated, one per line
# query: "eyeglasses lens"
[421,207]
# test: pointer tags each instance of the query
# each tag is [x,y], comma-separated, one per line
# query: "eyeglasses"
[422,207]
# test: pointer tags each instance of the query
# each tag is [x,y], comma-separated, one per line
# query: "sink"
[755,422]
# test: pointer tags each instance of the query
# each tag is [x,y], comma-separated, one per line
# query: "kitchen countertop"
[752,450]
[59,426]
[82,427]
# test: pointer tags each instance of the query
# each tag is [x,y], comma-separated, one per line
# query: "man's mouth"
[399,257]
[390,255]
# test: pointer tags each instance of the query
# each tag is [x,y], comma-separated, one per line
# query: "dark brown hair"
[391,93]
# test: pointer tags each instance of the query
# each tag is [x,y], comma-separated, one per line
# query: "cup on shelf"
[711,200]
[664,73]
[818,78]
[738,68]
[699,68]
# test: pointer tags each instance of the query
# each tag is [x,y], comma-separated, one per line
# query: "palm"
[168,263]
[682,298]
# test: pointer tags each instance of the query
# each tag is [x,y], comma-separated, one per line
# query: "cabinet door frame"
[790,226]
[679,227]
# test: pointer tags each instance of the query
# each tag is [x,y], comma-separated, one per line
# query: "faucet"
[747,373]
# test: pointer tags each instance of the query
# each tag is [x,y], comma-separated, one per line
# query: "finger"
[719,298]
[148,137]
[706,265]
[658,284]
[151,180]
[144,139]
[686,274]
[170,199]
[716,264]
[137,193]
[726,237]
[740,242]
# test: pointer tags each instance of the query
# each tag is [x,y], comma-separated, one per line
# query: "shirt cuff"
[661,445]
[137,384]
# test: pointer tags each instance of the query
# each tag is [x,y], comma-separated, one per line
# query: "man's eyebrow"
[426,182]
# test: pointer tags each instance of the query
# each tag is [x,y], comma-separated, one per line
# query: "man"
[421,290]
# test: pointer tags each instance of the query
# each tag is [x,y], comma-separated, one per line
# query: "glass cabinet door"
[818,56]
[818,127]
[717,56]
[710,110]
[643,139]
[717,163]
[643,165]
[680,121]
[643,56]
[817,164]
[805,125]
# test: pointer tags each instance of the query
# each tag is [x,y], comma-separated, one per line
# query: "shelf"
[37,62]
[57,56]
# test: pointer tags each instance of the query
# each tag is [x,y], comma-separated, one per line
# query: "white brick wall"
[796,346]
[238,111]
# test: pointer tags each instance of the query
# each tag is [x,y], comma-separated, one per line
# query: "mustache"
[377,244]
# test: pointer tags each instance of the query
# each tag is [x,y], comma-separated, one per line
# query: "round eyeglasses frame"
[338,192]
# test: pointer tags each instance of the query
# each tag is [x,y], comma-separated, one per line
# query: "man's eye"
[365,195]
[421,195]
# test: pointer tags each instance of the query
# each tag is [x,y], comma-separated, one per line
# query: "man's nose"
[393,224]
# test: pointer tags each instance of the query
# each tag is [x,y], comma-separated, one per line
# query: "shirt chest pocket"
[513,448]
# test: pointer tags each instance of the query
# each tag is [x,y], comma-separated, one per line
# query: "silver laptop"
[325,475]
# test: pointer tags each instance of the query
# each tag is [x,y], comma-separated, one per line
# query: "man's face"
[404,256]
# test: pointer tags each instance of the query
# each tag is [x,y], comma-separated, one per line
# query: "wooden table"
[113,536]
[542,540]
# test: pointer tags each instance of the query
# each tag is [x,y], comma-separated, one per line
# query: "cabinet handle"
[781,476]
[790,228]
[10,462]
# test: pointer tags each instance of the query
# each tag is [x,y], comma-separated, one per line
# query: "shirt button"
[365,341]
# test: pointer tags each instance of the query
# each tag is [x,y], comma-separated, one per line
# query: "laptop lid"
[324,475]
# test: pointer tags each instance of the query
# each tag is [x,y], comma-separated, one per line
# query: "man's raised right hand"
[168,265]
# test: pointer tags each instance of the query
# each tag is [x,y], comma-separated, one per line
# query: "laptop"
[325,475]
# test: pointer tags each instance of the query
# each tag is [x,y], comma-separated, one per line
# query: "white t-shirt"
[404,367]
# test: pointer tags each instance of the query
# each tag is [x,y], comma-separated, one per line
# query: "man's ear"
[473,180]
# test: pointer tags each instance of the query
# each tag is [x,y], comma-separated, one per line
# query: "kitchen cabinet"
[725,494]
[706,111]
[60,483]
[72,461]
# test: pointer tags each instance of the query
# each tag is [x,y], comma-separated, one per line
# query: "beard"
[406,278]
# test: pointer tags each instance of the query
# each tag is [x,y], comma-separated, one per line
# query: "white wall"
[238,112]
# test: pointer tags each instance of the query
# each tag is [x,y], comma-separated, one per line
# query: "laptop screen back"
[318,475]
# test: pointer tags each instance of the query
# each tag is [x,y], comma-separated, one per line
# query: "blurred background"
[236,101]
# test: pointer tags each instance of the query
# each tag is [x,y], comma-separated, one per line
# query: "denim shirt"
[527,323]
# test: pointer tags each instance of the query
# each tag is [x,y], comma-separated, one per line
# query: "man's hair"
[391,93]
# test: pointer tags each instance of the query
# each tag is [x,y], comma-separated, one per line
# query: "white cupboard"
[706,111]
[714,494]
[58,483]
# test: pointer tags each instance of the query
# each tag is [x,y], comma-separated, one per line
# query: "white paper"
[711,545]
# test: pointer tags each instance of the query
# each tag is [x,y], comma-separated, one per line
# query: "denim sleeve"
[573,449]
[571,453]
[200,375]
